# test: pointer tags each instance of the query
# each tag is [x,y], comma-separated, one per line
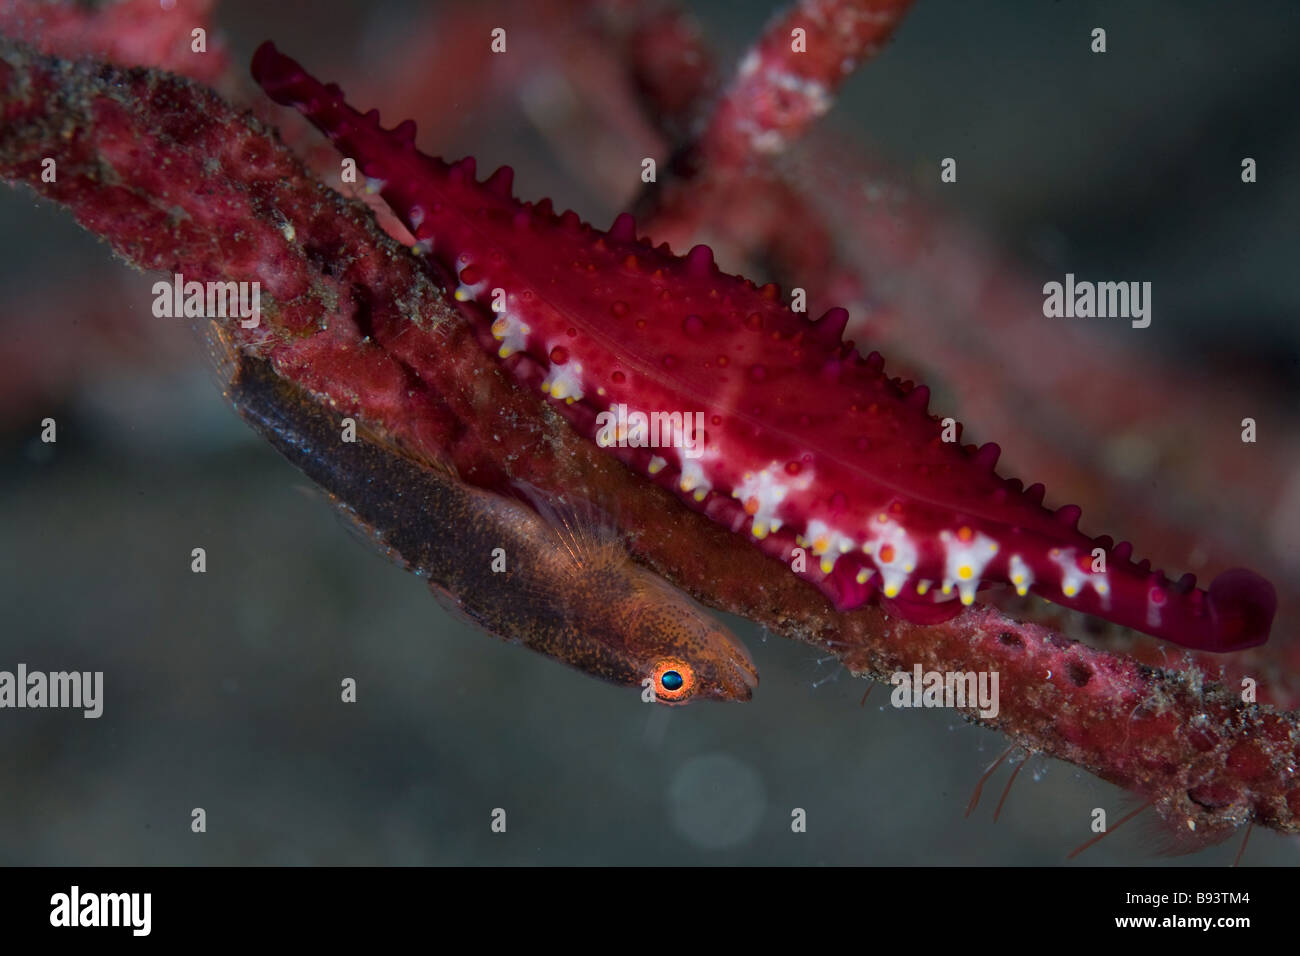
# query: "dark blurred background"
[222,689]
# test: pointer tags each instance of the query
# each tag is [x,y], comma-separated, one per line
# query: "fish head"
[683,651]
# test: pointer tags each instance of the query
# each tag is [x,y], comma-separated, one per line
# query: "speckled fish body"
[561,585]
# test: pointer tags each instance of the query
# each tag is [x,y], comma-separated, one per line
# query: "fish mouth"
[738,676]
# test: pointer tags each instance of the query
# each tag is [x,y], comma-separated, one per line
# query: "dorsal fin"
[585,531]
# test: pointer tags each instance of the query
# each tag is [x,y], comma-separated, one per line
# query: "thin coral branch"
[1069,405]
[177,180]
[127,32]
[665,54]
[786,82]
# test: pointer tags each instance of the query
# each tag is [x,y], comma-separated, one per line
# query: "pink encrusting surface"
[807,444]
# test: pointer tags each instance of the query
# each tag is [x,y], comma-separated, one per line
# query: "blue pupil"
[671,680]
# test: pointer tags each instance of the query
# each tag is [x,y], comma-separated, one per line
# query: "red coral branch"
[787,82]
[127,32]
[666,57]
[970,315]
[177,180]
[783,85]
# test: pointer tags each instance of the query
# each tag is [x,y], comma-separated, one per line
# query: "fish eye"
[674,681]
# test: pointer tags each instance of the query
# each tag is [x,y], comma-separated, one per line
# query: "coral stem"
[177,180]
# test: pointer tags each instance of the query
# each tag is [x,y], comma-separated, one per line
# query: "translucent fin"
[435,460]
[586,532]
[451,604]
[359,531]
[219,350]
[1159,837]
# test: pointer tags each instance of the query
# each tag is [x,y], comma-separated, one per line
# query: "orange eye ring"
[674,681]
